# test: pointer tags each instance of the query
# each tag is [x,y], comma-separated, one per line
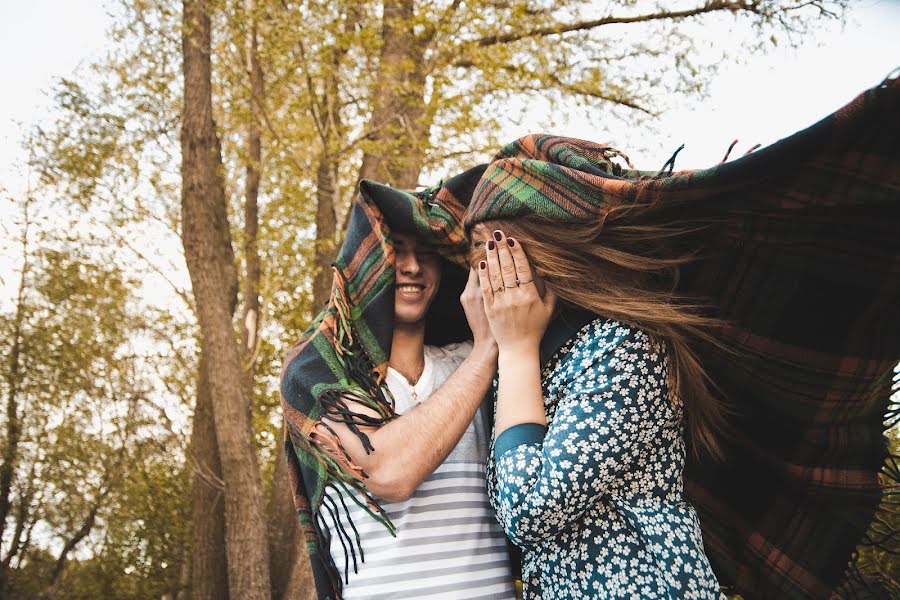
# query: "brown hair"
[626,266]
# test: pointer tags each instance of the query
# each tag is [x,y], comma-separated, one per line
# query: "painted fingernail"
[511,242]
[482,265]
[498,235]
[491,245]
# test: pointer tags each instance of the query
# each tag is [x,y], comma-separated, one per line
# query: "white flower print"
[597,505]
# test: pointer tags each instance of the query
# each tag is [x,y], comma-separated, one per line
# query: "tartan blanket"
[343,356]
[805,271]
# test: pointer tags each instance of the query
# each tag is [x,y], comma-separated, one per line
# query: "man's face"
[418,269]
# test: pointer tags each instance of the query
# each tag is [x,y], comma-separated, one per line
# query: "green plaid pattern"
[805,269]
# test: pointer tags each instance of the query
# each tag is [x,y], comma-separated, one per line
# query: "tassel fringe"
[360,385]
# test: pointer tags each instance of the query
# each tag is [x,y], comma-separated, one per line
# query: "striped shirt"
[449,544]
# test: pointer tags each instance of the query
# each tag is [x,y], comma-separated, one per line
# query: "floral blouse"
[595,500]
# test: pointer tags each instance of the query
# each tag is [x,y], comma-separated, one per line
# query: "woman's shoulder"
[604,332]
[605,337]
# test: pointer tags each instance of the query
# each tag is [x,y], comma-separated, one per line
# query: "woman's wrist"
[520,398]
[518,352]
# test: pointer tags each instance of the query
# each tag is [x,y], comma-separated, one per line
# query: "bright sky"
[759,102]
[766,98]
[40,41]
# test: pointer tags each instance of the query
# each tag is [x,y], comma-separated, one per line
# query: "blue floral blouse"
[595,500]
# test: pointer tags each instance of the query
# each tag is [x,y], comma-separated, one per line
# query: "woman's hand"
[517,313]
[473,305]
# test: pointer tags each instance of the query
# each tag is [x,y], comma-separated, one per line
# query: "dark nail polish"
[511,242]
[491,245]
[482,265]
[497,235]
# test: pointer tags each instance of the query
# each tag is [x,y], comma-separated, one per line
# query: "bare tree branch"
[563,28]
[433,28]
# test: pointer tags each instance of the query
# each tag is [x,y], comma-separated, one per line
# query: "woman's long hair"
[626,267]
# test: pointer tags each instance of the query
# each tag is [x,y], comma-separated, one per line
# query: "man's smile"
[410,290]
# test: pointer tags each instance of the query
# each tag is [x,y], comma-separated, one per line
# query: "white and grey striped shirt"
[449,544]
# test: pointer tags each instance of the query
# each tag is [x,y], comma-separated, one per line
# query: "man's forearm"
[409,448]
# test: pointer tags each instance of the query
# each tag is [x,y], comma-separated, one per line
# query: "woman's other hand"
[473,305]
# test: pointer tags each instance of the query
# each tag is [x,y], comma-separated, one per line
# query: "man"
[416,466]
[428,464]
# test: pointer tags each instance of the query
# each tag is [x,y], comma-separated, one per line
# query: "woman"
[585,473]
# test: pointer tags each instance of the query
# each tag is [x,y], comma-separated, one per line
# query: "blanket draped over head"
[343,356]
[805,271]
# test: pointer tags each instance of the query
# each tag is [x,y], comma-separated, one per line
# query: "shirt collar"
[567,322]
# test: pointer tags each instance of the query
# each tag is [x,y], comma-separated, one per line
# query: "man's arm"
[409,448]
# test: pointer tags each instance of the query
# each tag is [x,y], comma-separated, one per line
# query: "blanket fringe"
[670,164]
[360,385]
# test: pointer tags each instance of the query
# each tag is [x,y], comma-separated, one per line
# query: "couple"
[519,354]
[590,489]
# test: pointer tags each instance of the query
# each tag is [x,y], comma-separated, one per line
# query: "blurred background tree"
[115,361]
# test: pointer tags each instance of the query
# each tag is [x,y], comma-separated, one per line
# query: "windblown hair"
[626,267]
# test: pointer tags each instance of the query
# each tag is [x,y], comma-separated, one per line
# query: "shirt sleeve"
[609,408]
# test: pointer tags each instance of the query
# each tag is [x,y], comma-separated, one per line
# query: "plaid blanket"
[343,356]
[806,272]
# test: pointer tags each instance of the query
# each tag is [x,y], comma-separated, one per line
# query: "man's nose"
[408,263]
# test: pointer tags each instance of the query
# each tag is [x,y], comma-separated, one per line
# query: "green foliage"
[94,469]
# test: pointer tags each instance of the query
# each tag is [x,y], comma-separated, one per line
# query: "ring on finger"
[529,281]
[509,287]
[500,289]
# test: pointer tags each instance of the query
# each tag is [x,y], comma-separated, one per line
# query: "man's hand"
[472,301]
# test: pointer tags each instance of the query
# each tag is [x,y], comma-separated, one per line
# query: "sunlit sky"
[768,97]
[760,100]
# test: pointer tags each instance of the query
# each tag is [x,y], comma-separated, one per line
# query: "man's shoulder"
[451,353]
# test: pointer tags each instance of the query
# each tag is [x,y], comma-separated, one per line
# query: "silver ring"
[529,281]
[509,287]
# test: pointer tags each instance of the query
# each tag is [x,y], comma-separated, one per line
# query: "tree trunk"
[182,590]
[70,544]
[326,229]
[110,479]
[13,426]
[209,575]
[210,262]
[397,122]
[300,585]
[22,515]
[287,548]
[253,271]
[283,528]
